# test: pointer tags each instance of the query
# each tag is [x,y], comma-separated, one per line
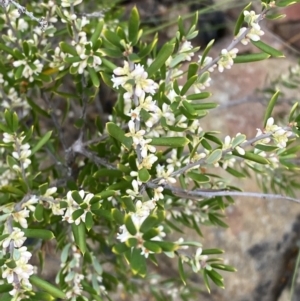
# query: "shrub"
[109,198]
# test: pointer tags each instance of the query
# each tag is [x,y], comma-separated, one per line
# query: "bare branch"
[209,193]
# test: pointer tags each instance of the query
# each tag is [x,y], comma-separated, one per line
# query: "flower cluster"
[85,54]
[12,100]
[21,151]
[143,210]
[134,79]
[255,31]
[17,270]
[72,277]
[29,68]
[200,261]
[73,206]
[278,134]
[186,50]
[226,59]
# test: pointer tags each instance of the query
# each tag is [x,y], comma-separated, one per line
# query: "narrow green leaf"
[240,20]
[41,142]
[117,133]
[148,235]
[67,48]
[104,194]
[215,277]
[79,236]
[4,288]
[133,26]
[112,37]
[284,3]
[77,197]
[198,177]
[167,246]
[117,216]
[216,221]
[170,141]
[94,77]
[15,122]
[213,138]
[89,221]
[46,286]
[105,172]
[212,251]
[130,225]
[223,267]
[7,49]
[214,157]
[146,51]
[193,68]
[188,84]
[36,108]
[97,31]
[39,212]
[77,213]
[267,48]
[8,118]
[138,263]
[266,148]
[161,58]
[178,58]
[206,51]
[152,246]
[206,280]
[238,140]
[181,271]
[293,110]
[198,96]
[234,172]
[270,107]
[131,242]
[110,52]
[38,233]
[189,108]
[275,16]
[150,222]
[12,190]
[252,157]
[144,175]
[120,248]
[205,105]
[251,57]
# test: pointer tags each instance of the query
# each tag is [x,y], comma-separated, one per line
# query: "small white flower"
[158,193]
[67,3]
[148,161]
[135,192]
[17,236]
[226,60]
[186,49]
[250,17]
[20,217]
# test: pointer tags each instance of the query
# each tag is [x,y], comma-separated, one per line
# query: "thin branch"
[202,161]
[234,43]
[78,147]
[98,15]
[97,160]
[54,120]
[22,10]
[195,194]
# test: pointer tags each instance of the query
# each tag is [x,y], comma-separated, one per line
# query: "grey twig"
[199,193]
[22,10]
[54,120]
